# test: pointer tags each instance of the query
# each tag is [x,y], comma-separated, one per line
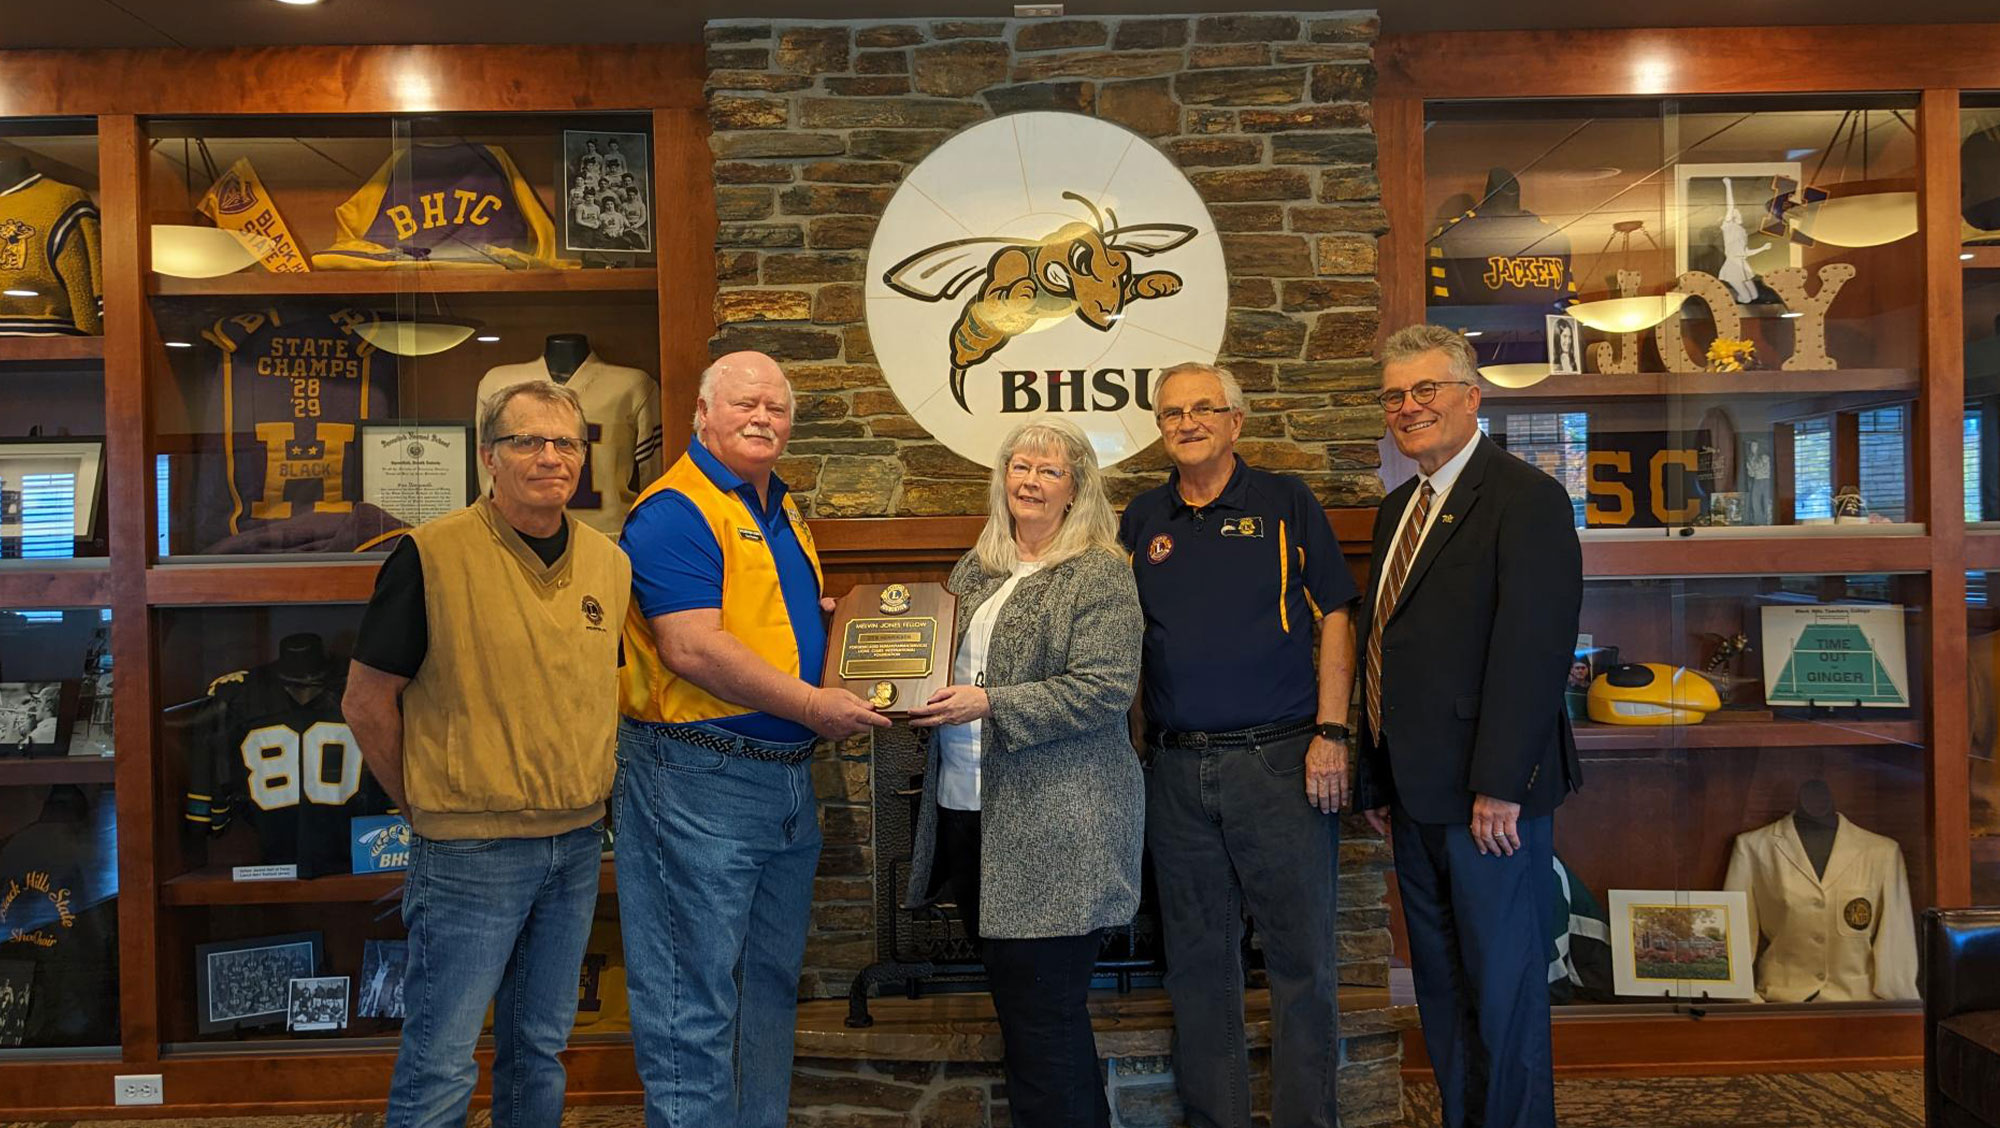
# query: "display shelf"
[1708,385]
[1685,551]
[14,349]
[173,585]
[1982,549]
[213,886]
[1766,732]
[422,280]
[26,585]
[1979,258]
[19,771]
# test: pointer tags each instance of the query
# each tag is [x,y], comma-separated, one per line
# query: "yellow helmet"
[1651,693]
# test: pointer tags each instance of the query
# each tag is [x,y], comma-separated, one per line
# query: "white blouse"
[958,745]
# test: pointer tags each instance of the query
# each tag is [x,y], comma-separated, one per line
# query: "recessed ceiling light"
[21,293]
[180,344]
[1586,175]
[1475,332]
[299,3]
[1965,256]
[1792,313]
[487,339]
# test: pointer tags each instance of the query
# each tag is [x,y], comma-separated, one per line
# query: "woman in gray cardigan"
[1034,803]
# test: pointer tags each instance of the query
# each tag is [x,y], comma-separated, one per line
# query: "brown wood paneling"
[1695,555]
[215,887]
[409,280]
[354,80]
[42,770]
[1666,62]
[1399,162]
[50,348]
[1982,552]
[681,168]
[81,587]
[1940,493]
[128,480]
[184,585]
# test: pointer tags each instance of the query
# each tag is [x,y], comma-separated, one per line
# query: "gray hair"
[1232,392]
[544,391]
[1089,523]
[1413,341]
[706,391]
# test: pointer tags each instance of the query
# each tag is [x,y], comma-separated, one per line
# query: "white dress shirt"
[958,745]
[1441,483]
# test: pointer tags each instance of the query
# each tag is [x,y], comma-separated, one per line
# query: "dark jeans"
[1230,829]
[1040,989]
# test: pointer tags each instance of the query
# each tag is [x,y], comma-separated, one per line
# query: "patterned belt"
[1241,738]
[742,747]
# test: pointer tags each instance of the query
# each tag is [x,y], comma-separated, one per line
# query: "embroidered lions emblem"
[1858,914]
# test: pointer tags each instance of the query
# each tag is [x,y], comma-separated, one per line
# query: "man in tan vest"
[484,696]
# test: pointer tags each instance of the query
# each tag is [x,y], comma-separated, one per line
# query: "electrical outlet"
[1037,11]
[138,1089]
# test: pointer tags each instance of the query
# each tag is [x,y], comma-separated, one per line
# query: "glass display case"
[1697,314]
[1761,736]
[51,345]
[337,296]
[58,832]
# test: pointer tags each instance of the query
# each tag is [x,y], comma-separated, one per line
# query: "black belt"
[1241,738]
[743,747]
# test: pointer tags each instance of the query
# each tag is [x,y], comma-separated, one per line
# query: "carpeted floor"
[1786,1100]
[1779,1100]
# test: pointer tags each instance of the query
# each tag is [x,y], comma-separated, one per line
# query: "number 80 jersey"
[283,756]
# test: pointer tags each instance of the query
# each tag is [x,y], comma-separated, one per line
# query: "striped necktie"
[1385,605]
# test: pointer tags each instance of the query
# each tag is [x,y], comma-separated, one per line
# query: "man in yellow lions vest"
[483,694]
[718,826]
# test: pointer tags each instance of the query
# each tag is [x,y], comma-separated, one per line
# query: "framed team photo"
[317,1003]
[241,984]
[607,192]
[1681,944]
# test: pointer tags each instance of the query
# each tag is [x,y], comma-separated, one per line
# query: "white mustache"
[759,433]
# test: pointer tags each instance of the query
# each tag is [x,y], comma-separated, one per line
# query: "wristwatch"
[1334,732]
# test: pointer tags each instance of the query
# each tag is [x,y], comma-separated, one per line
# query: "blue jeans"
[500,920]
[716,855]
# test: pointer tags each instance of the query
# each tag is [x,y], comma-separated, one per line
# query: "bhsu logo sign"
[1042,263]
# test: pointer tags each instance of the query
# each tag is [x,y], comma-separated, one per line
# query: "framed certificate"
[37,476]
[416,470]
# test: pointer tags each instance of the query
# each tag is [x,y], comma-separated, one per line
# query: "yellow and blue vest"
[699,538]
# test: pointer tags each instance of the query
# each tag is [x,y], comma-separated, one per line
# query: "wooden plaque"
[891,644]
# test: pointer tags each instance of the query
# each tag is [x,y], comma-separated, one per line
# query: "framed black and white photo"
[240,984]
[607,192]
[1565,336]
[48,494]
[382,966]
[317,1003]
[1722,210]
[17,996]
[35,716]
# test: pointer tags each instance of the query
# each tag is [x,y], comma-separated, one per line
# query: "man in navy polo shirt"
[1239,573]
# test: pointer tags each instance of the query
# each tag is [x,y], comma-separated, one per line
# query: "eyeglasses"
[1423,392]
[1201,413]
[1049,474]
[527,446]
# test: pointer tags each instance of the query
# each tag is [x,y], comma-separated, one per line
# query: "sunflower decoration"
[1731,354]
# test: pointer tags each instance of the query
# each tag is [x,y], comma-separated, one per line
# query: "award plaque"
[890,644]
[416,470]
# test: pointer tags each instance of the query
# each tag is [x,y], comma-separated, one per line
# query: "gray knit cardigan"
[1061,794]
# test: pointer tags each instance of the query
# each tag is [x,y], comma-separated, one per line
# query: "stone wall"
[816,123]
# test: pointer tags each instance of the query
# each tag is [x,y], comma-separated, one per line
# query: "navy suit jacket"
[1477,651]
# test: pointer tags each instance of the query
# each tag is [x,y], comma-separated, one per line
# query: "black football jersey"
[289,767]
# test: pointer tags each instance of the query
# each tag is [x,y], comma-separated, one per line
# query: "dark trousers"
[1040,989]
[1480,962]
[1231,829]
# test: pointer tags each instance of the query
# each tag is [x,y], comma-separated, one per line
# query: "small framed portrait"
[242,984]
[316,1003]
[48,494]
[1565,336]
[382,966]
[36,716]
[606,186]
[1680,943]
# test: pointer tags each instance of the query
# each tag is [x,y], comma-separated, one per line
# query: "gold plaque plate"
[888,648]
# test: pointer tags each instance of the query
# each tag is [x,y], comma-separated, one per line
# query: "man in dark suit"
[1468,628]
